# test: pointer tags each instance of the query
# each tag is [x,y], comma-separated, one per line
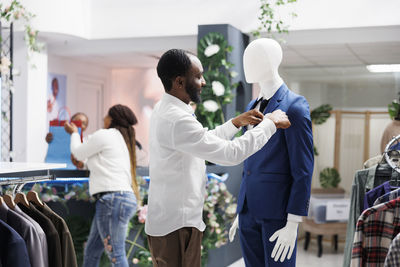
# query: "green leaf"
[321,114]
[393,109]
[329,178]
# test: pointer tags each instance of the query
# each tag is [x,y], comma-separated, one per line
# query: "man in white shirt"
[179,146]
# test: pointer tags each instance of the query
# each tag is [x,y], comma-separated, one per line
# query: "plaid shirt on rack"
[376,228]
[393,256]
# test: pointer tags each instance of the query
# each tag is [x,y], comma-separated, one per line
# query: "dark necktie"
[256,103]
[263,105]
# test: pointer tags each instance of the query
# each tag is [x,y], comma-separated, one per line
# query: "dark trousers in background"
[254,241]
[181,248]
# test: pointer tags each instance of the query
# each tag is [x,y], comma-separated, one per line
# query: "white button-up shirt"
[179,146]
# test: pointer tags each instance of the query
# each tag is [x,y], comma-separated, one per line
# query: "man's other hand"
[280,119]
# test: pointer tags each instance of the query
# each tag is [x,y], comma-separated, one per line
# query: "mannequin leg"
[251,242]
[255,244]
[268,228]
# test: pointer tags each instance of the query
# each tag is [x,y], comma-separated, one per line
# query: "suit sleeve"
[299,141]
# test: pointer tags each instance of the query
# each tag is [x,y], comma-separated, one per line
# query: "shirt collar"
[167,98]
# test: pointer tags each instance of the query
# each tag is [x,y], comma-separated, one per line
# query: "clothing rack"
[20,182]
[19,174]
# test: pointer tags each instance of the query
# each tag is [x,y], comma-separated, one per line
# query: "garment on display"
[374,211]
[268,232]
[34,234]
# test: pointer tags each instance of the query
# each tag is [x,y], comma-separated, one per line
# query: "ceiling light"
[384,68]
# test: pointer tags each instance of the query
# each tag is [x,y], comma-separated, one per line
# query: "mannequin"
[276,182]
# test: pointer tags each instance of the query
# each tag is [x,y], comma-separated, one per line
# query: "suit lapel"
[249,106]
[276,99]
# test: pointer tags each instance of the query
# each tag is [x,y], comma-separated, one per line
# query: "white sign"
[337,210]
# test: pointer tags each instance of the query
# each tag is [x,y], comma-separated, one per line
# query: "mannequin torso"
[272,187]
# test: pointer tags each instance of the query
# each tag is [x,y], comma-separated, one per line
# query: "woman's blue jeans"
[109,229]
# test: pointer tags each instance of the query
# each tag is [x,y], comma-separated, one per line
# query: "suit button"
[248,172]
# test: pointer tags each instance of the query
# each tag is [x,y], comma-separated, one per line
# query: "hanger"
[21,198]
[33,197]
[9,201]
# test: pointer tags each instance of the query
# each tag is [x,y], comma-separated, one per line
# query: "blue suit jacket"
[277,179]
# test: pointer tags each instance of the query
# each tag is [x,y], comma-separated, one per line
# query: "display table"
[333,229]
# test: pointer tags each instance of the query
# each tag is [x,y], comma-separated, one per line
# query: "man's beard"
[193,93]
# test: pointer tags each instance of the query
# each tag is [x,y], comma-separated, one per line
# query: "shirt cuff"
[294,218]
[231,128]
[269,124]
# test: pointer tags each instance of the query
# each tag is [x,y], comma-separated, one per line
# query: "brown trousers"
[181,248]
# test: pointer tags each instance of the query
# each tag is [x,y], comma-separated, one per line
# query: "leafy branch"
[17,12]
[270,22]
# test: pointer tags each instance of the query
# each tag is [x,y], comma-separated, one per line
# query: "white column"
[29,104]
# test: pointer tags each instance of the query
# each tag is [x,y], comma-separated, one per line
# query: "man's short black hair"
[173,63]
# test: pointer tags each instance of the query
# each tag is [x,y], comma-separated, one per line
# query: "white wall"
[139,89]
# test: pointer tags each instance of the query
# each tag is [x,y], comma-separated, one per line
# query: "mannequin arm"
[234,227]
[285,241]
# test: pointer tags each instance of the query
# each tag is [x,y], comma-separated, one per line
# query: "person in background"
[111,159]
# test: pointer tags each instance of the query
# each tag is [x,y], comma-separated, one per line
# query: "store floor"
[309,258]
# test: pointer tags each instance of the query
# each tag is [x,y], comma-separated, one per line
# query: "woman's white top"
[107,159]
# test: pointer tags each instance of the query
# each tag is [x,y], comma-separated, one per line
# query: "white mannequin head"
[261,60]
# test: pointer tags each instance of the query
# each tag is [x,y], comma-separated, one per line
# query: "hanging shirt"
[375,193]
[364,180]
[67,245]
[53,240]
[179,146]
[13,252]
[387,197]
[393,256]
[376,228]
[28,232]
[42,236]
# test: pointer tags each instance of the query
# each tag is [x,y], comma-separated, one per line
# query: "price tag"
[337,210]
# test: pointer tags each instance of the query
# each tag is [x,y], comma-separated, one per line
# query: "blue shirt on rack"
[375,193]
